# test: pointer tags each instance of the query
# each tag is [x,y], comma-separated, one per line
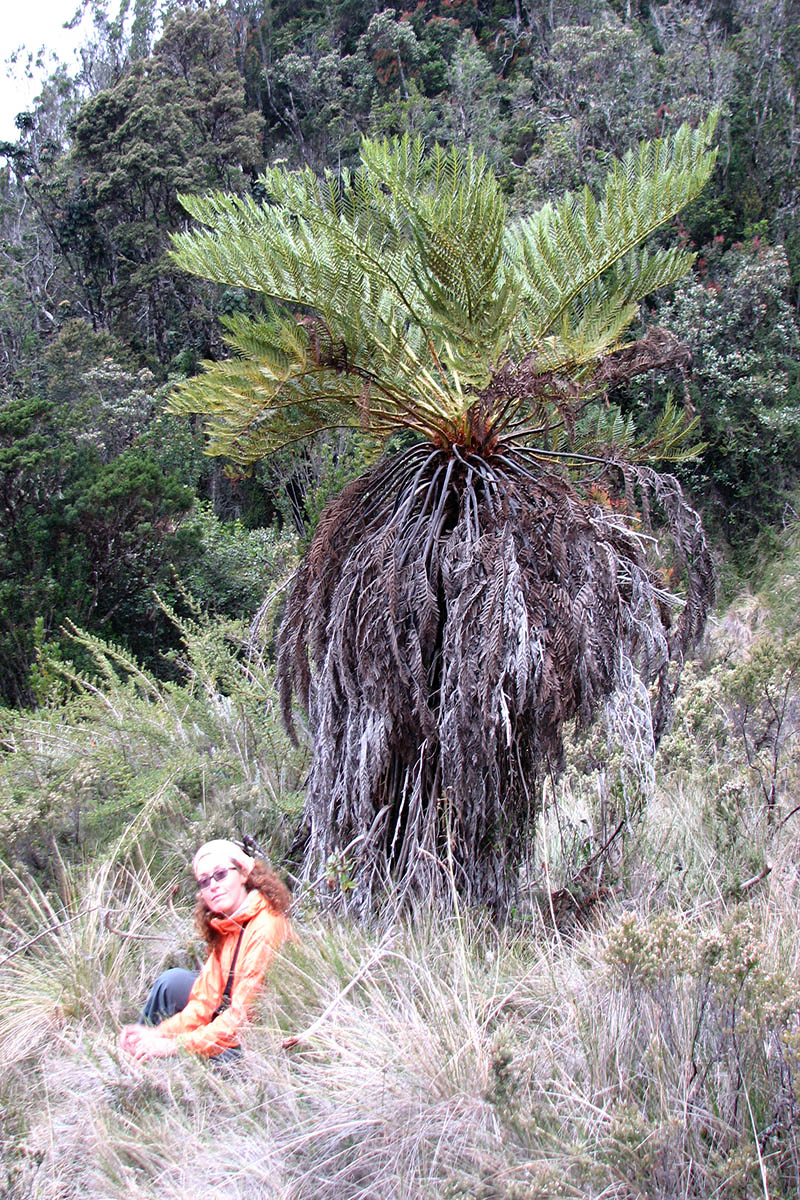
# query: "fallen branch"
[171,898]
[138,937]
[598,853]
[749,883]
[796,809]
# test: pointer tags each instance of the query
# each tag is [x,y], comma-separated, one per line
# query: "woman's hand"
[143,1042]
[129,1037]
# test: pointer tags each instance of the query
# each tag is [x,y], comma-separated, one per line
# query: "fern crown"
[399,297]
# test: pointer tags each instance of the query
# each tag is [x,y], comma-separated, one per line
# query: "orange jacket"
[264,931]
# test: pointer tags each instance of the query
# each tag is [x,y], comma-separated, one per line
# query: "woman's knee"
[168,995]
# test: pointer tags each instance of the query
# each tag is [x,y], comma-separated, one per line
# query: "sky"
[33,24]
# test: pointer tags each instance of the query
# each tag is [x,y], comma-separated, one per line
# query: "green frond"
[565,249]
[638,275]
[670,440]
[576,347]
[602,426]
[645,271]
[276,340]
[251,411]
[603,430]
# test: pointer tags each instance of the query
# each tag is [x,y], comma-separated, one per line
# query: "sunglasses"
[205,880]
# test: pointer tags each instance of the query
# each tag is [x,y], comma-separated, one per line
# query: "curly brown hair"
[261,879]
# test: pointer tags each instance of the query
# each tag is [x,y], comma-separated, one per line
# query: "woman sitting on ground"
[241,912]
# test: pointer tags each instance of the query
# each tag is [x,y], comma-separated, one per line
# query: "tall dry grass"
[652,1053]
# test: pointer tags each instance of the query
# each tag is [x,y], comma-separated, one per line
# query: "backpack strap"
[225,1001]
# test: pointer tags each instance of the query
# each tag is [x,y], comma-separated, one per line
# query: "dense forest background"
[106,500]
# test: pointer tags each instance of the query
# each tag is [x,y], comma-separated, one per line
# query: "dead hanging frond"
[526,396]
[453,615]
[657,350]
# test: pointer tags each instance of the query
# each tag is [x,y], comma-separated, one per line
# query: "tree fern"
[470,594]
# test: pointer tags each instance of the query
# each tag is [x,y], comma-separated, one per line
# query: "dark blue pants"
[168,996]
